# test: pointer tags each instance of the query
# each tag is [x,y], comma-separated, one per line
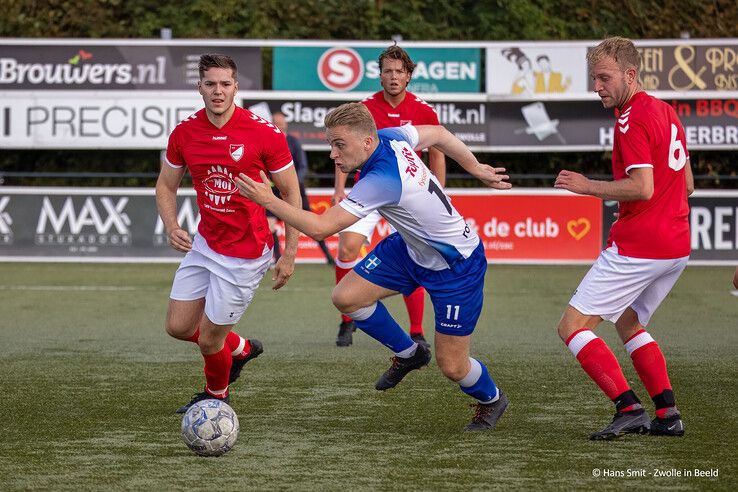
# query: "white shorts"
[365,226]
[227,283]
[615,283]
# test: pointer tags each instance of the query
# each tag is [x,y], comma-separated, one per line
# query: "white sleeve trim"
[291,163]
[346,205]
[175,166]
[634,166]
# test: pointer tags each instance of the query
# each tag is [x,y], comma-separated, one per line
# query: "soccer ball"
[210,427]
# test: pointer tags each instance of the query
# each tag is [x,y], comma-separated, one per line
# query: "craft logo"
[79,70]
[87,228]
[340,69]
[188,218]
[219,185]
[6,233]
[236,151]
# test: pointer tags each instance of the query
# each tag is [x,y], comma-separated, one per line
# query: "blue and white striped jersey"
[396,182]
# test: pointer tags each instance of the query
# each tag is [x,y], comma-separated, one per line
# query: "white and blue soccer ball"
[210,427]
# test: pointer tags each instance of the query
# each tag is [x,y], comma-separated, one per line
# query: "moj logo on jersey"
[86,228]
[6,233]
[236,151]
[219,185]
[340,69]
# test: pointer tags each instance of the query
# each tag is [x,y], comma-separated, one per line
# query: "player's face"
[393,77]
[349,149]
[218,89]
[611,83]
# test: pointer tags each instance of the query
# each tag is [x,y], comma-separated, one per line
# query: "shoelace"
[479,413]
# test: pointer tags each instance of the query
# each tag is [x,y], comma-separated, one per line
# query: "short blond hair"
[622,50]
[353,115]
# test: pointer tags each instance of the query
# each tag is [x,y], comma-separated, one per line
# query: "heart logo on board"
[578,228]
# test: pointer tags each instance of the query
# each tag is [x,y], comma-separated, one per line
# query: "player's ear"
[631,74]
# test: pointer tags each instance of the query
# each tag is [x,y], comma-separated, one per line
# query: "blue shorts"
[456,293]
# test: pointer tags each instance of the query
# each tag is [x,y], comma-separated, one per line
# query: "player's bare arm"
[166,202]
[437,164]
[289,188]
[638,185]
[689,177]
[316,226]
[446,142]
[339,188]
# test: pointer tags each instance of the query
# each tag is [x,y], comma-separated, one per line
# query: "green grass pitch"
[90,382]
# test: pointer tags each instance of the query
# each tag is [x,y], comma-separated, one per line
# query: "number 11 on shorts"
[452,310]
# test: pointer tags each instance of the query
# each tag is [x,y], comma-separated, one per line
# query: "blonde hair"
[353,115]
[622,50]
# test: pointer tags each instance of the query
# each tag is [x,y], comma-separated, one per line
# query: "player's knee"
[453,368]
[348,252]
[563,331]
[342,300]
[177,331]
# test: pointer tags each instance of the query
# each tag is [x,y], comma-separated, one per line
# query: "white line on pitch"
[72,287]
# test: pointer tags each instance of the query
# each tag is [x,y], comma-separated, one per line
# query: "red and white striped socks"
[602,367]
[240,347]
[650,365]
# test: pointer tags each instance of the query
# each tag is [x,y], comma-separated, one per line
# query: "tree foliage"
[454,20]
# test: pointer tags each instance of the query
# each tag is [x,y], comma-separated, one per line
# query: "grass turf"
[91,382]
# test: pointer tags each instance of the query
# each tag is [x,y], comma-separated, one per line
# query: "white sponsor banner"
[94,119]
[525,70]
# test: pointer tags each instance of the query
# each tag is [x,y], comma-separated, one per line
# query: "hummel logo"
[624,129]
[219,137]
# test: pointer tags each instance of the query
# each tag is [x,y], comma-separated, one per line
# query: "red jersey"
[411,111]
[231,224]
[649,134]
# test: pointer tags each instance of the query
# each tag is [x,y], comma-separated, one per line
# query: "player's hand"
[283,270]
[180,240]
[257,192]
[493,177]
[574,182]
[338,197]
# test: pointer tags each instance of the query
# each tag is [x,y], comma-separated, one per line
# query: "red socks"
[599,363]
[218,365]
[415,304]
[650,365]
[341,271]
[239,347]
[217,371]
